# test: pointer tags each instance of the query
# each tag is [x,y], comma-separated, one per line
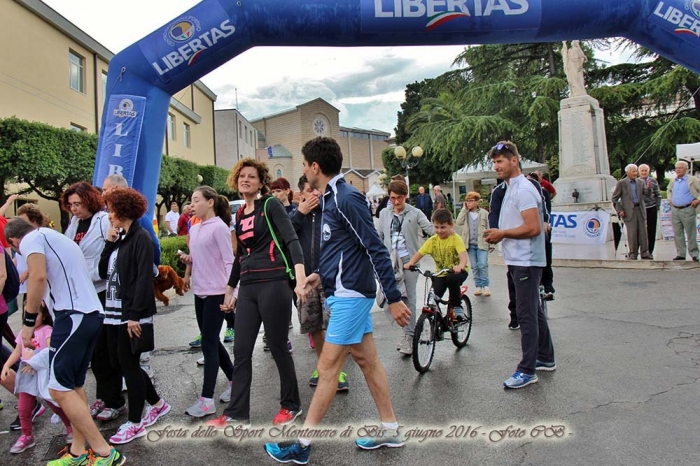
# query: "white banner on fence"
[590,227]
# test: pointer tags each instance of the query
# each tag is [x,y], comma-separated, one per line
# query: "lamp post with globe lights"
[408,161]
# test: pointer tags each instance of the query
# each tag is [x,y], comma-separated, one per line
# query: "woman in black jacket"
[127,264]
[265,294]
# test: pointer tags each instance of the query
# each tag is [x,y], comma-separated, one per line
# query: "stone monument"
[584,170]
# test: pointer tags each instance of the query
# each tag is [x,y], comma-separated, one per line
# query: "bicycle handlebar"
[428,273]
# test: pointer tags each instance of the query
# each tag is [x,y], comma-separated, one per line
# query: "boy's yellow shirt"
[445,252]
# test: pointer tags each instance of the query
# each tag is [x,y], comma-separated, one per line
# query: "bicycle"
[432,324]
[543,301]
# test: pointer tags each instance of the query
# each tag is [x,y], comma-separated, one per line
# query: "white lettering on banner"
[430,8]
[189,51]
[580,227]
[119,130]
[686,24]
[116,170]
[117,150]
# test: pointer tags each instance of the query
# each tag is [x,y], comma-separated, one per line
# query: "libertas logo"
[438,12]
[190,51]
[684,22]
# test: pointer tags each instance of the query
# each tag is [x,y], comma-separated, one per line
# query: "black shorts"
[72,341]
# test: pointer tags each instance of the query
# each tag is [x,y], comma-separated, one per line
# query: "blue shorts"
[350,320]
[72,341]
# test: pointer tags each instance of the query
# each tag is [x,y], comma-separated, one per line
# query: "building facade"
[282,135]
[57,74]
[236,138]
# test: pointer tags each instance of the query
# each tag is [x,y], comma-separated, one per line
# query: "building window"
[343,134]
[251,137]
[77,72]
[77,128]
[171,126]
[279,173]
[246,135]
[240,131]
[104,86]
[186,134]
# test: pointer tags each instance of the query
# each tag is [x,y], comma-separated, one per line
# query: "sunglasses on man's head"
[500,147]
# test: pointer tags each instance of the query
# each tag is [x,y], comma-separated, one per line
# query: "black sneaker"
[15,425]
[513,325]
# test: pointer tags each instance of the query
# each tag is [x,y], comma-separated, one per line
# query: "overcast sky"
[366,84]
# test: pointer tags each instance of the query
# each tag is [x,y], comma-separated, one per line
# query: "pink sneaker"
[22,443]
[153,413]
[127,432]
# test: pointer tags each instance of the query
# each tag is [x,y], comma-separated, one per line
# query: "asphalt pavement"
[627,345]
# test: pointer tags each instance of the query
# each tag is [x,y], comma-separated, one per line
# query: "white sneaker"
[407,345]
[487,292]
[127,432]
[203,407]
[399,344]
[200,361]
[226,395]
[477,292]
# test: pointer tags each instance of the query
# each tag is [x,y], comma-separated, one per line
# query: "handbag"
[145,342]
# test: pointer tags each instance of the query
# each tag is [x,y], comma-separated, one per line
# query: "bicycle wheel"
[462,330]
[424,342]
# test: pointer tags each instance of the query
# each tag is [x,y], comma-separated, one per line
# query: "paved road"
[628,352]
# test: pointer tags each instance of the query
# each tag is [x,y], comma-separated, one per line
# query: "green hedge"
[168,252]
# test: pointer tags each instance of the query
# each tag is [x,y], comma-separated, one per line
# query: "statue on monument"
[574,58]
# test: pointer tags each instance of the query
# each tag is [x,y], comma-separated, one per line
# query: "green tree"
[47,159]
[178,178]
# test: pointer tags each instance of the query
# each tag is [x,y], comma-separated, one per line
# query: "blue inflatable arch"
[143,77]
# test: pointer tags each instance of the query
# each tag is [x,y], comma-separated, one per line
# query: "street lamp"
[406,161]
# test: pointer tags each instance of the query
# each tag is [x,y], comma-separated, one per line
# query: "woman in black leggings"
[265,294]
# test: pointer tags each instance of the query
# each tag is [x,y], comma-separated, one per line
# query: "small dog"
[167,278]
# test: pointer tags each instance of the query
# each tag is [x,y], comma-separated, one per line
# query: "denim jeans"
[479,263]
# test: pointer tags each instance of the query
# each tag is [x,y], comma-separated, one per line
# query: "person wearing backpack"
[267,246]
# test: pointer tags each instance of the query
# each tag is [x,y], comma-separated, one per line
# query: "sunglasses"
[500,147]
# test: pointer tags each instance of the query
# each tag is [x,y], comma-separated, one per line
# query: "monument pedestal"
[583,157]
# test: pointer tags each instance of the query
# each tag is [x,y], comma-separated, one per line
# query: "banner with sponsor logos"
[117,150]
[590,227]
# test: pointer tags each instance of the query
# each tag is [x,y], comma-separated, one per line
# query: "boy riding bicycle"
[447,249]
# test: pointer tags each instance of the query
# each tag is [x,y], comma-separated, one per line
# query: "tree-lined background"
[513,92]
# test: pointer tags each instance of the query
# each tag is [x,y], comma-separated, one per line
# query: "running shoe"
[197,342]
[487,292]
[37,411]
[520,380]
[545,366]
[153,413]
[202,407]
[127,432]
[2,406]
[110,414]
[478,291]
[343,384]
[459,313]
[67,459]
[226,395]
[96,408]
[285,416]
[513,325]
[313,381]
[266,347]
[200,361]
[114,459]
[288,452]
[24,442]
[289,346]
[229,335]
[311,345]
[145,357]
[224,420]
[15,425]
[372,443]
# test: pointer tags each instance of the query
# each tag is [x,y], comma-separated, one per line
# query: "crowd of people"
[324,253]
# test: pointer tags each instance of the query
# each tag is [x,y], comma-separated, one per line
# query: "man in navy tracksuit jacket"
[352,255]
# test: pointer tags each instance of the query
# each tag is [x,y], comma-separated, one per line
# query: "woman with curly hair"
[208,267]
[88,228]
[265,294]
[127,264]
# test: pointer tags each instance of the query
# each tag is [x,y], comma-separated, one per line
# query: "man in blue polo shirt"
[352,255]
[684,196]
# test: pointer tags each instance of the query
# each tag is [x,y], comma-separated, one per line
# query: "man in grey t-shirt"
[521,228]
